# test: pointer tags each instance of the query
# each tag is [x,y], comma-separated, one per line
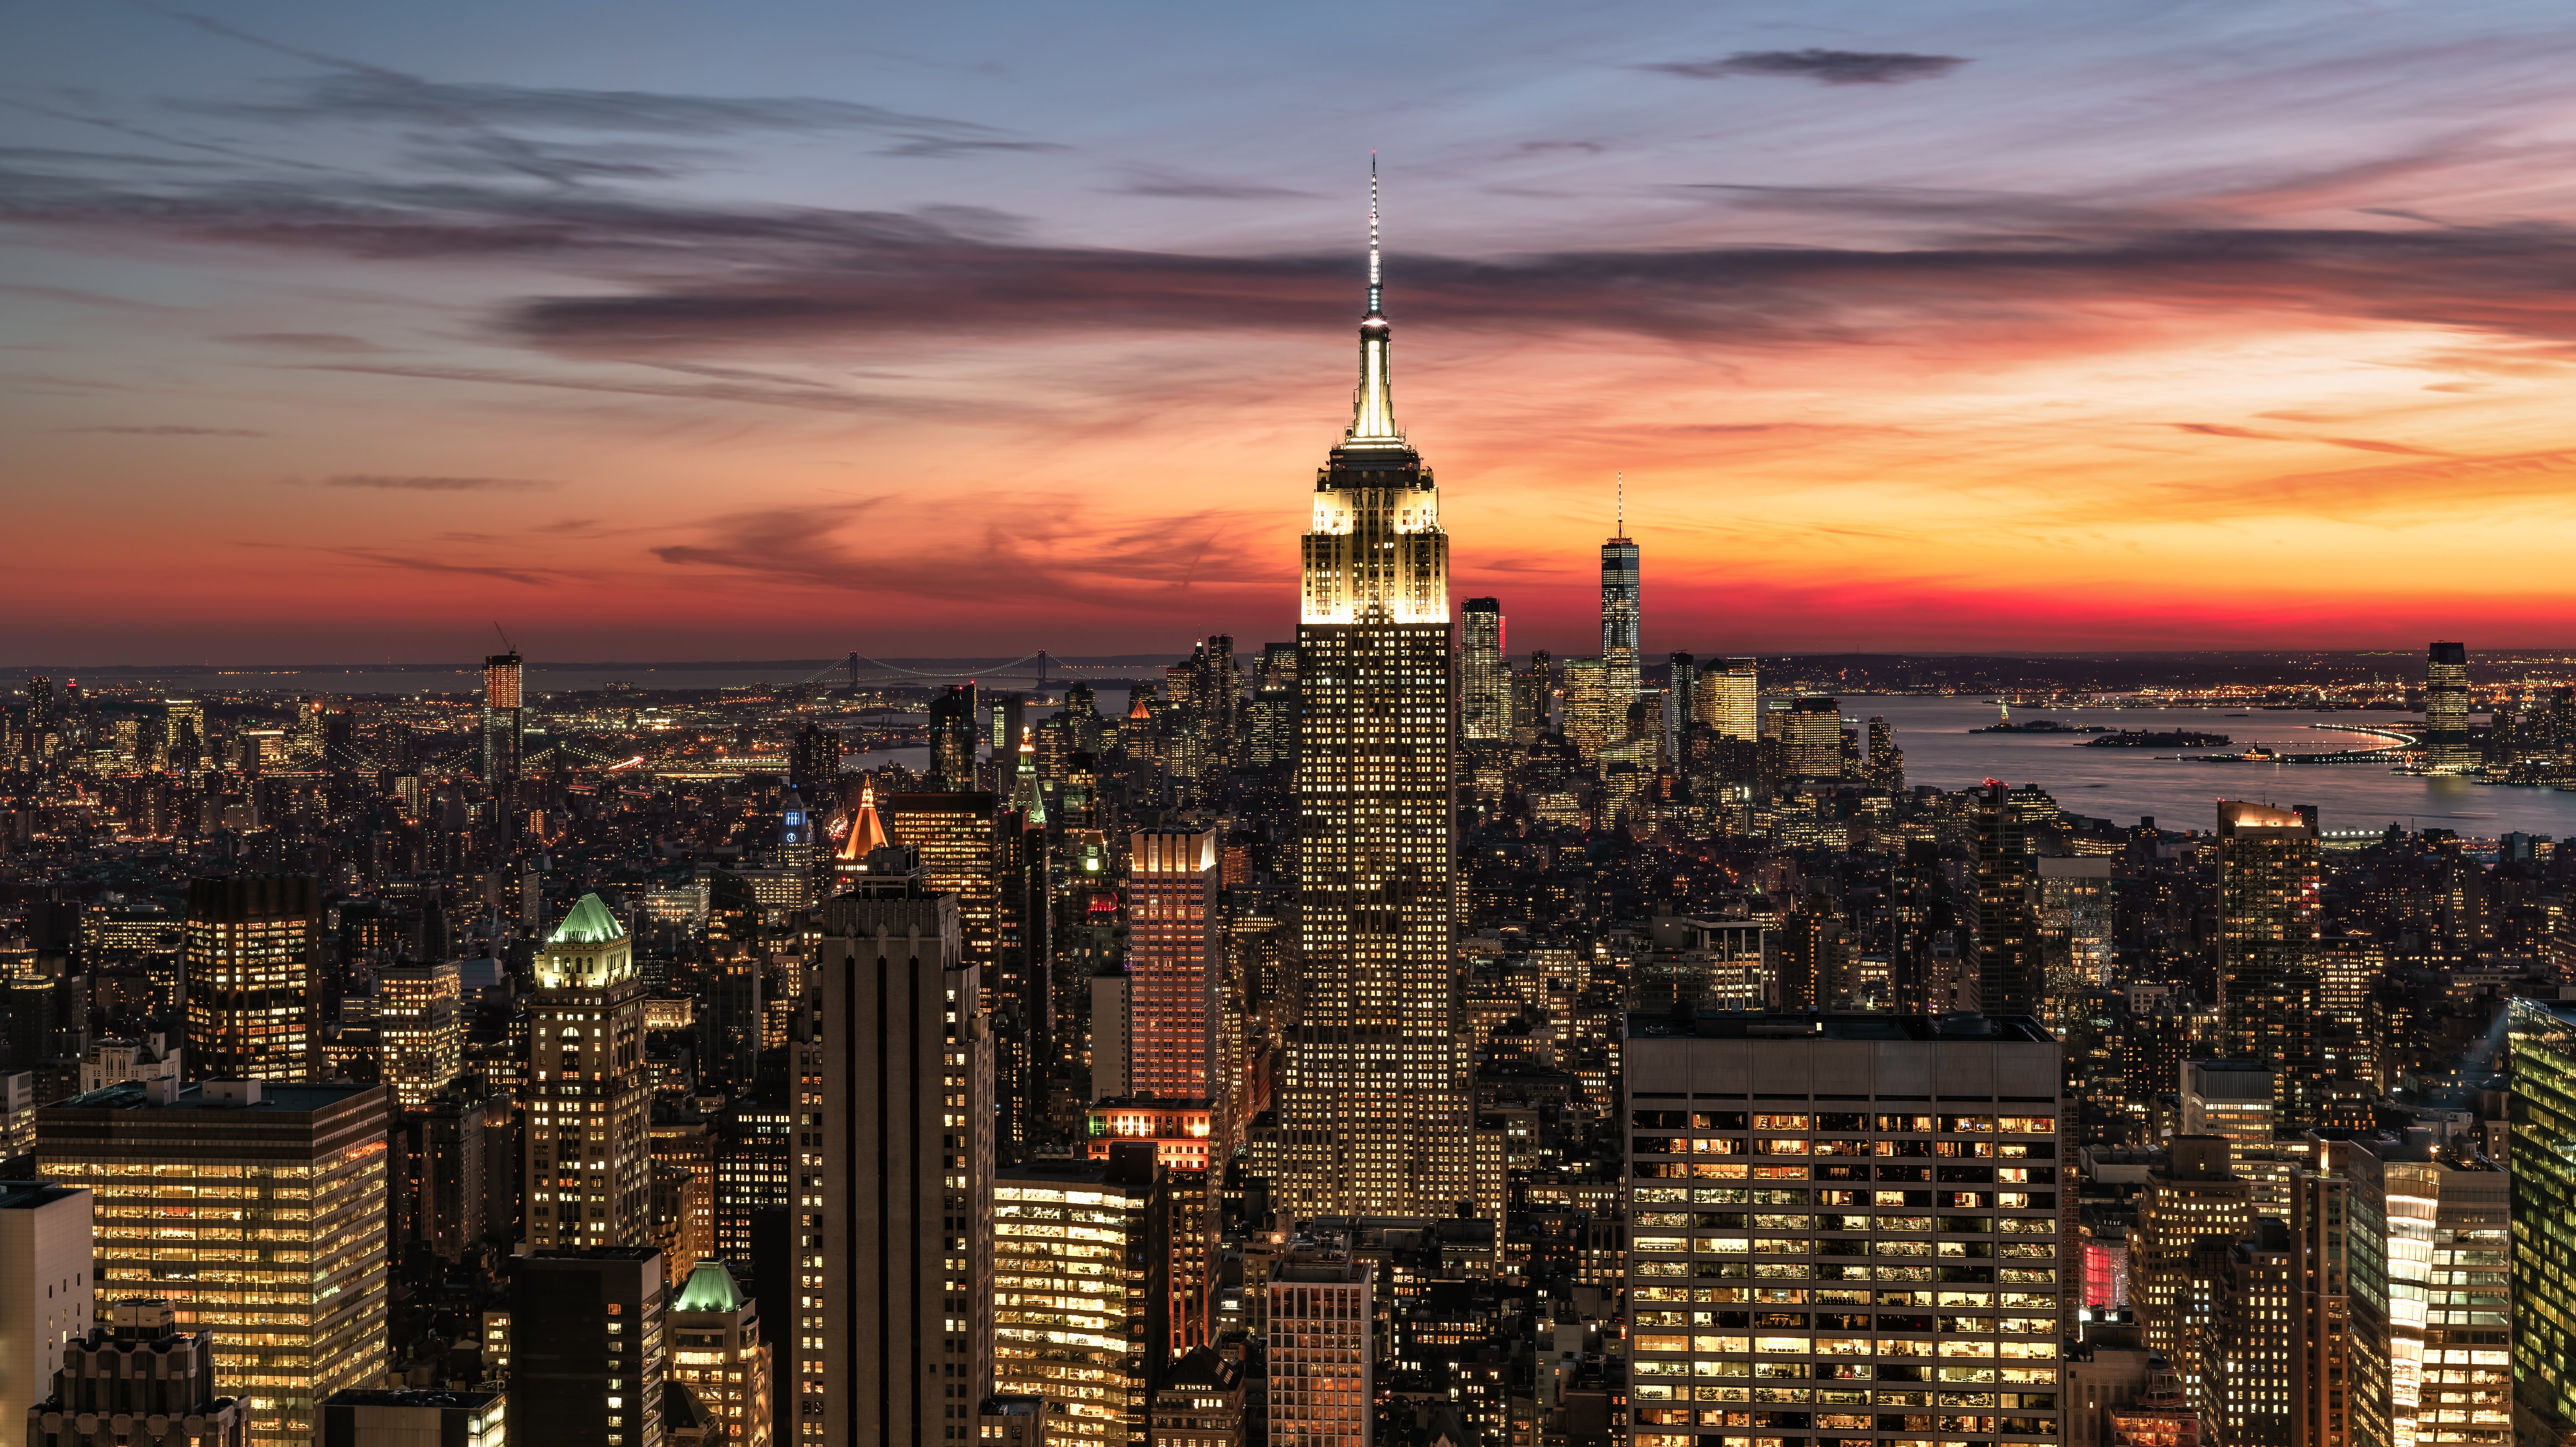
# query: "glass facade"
[2544,1212]
[263,1223]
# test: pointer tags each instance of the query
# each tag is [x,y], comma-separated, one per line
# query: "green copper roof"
[589,923]
[710,1287]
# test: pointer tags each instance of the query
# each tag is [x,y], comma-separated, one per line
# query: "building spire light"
[1373,402]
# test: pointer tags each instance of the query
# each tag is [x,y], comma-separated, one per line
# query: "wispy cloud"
[1826,67]
[169,429]
[385,483]
[1186,186]
[527,577]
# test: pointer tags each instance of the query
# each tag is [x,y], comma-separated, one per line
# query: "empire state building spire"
[1373,403]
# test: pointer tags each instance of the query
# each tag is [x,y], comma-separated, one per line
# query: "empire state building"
[1374,1110]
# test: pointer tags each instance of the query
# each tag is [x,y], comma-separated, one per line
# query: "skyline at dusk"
[659,333]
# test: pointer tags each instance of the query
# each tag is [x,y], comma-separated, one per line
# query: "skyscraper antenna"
[1623,502]
[1373,273]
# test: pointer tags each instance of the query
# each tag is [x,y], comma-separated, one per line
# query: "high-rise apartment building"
[1374,1112]
[296,1302]
[587,1165]
[2007,972]
[504,718]
[1844,1226]
[136,1380]
[2246,1359]
[1081,1290]
[419,1036]
[2271,975]
[1484,673]
[590,1348]
[814,765]
[1323,1366]
[2432,1318]
[46,1283]
[892,1218]
[1175,965]
[2543,1173]
[719,1354]
[2446,709]
[952,739]
[254,1004]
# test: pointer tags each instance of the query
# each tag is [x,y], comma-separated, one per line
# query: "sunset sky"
[774,329]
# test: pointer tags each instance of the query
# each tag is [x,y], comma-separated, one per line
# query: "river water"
[2123,785]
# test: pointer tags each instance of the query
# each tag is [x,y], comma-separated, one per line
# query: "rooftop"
[276,1097]
[590,923]
[28,1195]
[379,1397]
[1750,1025]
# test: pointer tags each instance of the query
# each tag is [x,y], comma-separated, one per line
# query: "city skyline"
[1929,330]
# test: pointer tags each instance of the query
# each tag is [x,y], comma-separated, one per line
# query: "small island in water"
[2142,739]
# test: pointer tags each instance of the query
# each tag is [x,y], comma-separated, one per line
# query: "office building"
[1011,1421]
[1200,1399]
[2195,1199]
[2271,977]
[2233,1100]
[2075,950]
[419,1035]
[1588,718]
[589,1349]
[2447,749]
[720,1356]
[1374,1111]
[297,1307]
[1322,1359]
[1080,1291]
[1811,738]
[1728,698]
[2543,1175]
[254,1006]
[46,1285]
[391,1418]
[586,1162]
[891,1223]
[2432,1356]
[1175,965]
[1484,673]
[755,1155]
[1533,700]
[504,719]
[136,1379]
[1621,614]
[2246,1360]
[955,835]
[1844,1225]
[2007,972]
[952,739]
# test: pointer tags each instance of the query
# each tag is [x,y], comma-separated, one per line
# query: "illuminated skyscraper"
[891,1334]
[1175,965]
[1619,613]
[503,717]
[254,1009]
[952,739]
[1485,700]
[588,1164]
[1812,737]
[1729,699]
[2008,974]
[2544,1200]
[288,1272]
[2270,964]
[2446,708]
[1373,1113]
[2432,1316]
[417,1029]
[718,1353]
